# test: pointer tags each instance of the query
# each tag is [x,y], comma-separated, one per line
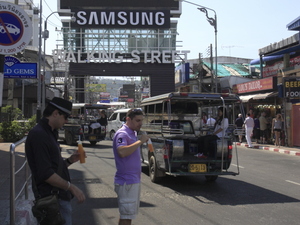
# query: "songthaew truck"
[173,123]
[82,124]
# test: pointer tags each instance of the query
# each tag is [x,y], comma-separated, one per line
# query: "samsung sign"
[122,19]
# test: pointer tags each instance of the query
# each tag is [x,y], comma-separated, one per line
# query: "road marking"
[237,166]
[292,182]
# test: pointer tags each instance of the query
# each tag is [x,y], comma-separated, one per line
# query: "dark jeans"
[204,143]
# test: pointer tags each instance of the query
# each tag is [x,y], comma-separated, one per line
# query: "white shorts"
[128,200]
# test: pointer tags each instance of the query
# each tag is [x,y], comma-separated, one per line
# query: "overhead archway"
[161,75]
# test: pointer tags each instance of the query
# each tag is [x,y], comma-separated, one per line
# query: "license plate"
[197,168]
[92,138]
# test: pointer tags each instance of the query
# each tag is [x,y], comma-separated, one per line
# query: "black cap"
[62,104]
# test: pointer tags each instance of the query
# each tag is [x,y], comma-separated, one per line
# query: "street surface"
[267,191]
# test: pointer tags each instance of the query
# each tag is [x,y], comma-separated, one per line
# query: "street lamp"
[45,36]
[212,22]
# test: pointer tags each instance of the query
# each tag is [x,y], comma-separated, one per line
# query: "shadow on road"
[224,191]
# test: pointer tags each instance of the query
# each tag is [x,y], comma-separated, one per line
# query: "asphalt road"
[267,191]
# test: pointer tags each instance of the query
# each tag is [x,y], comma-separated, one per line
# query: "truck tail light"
[229,151]
[166,151]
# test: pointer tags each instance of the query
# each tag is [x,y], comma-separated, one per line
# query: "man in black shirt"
[44,156]
[103,118]
[239,122]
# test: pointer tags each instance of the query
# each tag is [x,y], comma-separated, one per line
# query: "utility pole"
[212,68]
[200,73]
[1,81]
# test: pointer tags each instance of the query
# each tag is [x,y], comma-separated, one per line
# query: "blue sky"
[243,26]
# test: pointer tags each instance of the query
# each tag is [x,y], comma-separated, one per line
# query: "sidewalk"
[23,207]
[282,149]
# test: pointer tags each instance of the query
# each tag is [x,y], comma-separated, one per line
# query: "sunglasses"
[66,116]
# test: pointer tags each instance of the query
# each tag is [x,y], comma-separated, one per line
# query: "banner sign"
[13,68]
[291,87]
[182,73]
[272,70]
[257,85]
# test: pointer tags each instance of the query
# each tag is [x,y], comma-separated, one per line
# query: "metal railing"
[13,173]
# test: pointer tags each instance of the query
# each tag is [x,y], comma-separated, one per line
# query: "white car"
[12,29]
[115,121]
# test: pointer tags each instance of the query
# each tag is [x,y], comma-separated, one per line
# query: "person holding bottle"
[126,148]
[43,153]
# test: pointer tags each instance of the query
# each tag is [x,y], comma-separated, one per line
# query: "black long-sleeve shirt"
[44,154]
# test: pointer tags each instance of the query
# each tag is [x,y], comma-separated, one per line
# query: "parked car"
[115,121]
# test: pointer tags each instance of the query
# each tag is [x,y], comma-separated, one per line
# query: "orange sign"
[257,85]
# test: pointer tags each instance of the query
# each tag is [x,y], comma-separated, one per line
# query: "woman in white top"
[276,128]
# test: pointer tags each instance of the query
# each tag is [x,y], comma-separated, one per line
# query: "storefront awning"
[265,95]
[246,98]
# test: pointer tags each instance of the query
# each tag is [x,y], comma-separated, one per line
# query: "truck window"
[184,107]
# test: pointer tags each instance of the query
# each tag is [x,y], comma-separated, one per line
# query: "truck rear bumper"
[182,173]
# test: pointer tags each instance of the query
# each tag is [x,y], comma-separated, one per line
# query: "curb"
[273,149]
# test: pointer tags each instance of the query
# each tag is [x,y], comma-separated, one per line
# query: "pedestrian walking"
[263,127]
[249,124]
[256,129]
[277,128]
[126,147]
[49,169]
[239,125]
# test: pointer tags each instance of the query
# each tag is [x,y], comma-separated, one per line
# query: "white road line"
[292,182]
[239,166]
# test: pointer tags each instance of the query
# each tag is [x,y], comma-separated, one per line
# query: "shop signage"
[122,19]
[257,85]
[161,57]
[291,87]
[13,68]
[272,70]
[15,29]
[104,97]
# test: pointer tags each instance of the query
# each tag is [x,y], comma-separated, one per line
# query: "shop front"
[261,96]
[291,94]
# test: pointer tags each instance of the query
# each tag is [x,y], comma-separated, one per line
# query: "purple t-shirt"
[128,168]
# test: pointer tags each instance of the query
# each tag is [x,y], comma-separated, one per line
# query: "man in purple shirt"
[126,147]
